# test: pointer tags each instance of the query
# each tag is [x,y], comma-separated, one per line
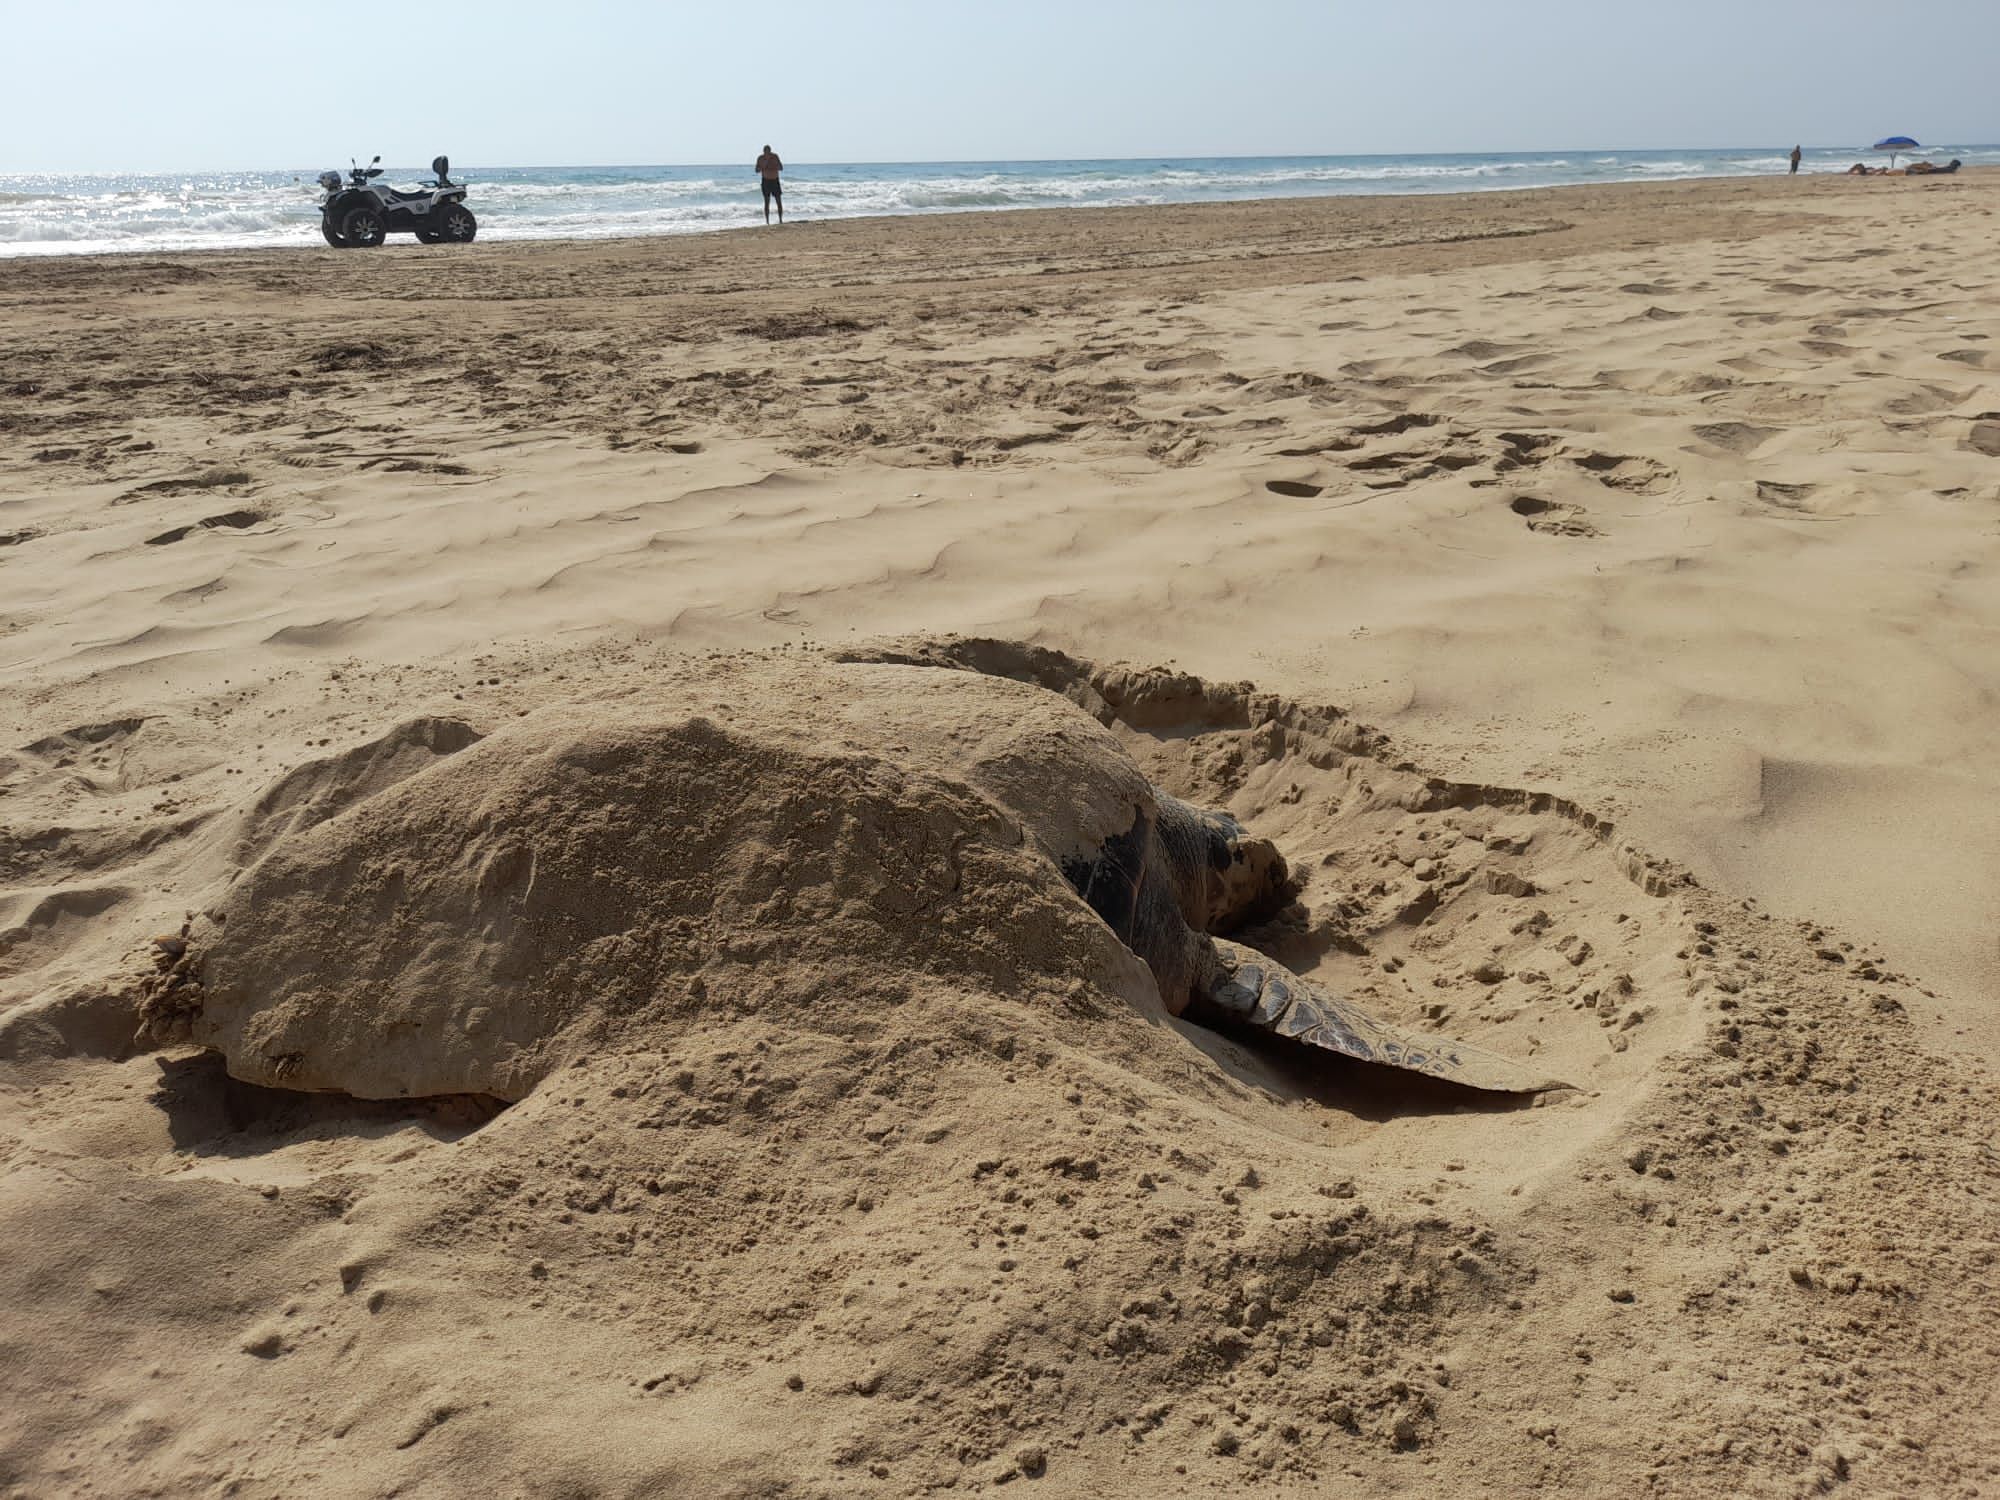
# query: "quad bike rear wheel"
[430,236]
[363,227]
[458,226]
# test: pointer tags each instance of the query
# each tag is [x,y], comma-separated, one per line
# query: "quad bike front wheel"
[363,228]
[457,227]
[332,232]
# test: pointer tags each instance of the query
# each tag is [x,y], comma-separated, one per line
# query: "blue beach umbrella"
[1895,145]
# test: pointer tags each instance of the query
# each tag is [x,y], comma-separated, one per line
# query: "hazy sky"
[139,85]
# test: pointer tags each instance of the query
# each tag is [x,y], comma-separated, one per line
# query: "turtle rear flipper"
[1249,987]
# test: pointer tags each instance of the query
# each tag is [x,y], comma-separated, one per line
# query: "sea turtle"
[1181,874]
[466,914]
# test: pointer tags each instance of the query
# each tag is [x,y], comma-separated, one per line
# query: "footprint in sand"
[417,466]
[1686,383]
[1514,366]
[1984,438]
[1383,471]
[1407,467]
[1740,438]
[234,520]
[1925,402]
[1641,476]
[196,594]
[1525,450]
[1340,442]
[99,736]
[208,479]
[1551,518]
[1388,471]
[1485,349]
[1200,359]
[1785,496]
[1401,422]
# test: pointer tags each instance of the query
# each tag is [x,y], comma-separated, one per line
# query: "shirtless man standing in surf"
[768,168]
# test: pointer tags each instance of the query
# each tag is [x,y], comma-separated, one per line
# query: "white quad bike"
[359,213]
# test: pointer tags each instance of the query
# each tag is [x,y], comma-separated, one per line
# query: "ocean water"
[48,214]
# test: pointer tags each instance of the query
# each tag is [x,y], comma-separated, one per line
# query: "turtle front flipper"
[1246,986]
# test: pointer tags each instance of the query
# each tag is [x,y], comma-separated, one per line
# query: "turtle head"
[1222,877]
[1248,880]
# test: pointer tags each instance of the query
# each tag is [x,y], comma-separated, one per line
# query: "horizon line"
[946,161]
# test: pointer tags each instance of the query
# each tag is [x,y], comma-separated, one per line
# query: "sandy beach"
[1593,592]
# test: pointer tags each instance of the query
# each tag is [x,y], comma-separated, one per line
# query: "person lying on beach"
[1914,169]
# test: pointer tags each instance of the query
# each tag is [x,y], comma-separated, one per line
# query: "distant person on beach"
[1796,154]
[768,168]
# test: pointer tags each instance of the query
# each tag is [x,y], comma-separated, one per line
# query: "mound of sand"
[760,838]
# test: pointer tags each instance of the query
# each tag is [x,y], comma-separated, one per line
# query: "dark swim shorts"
[772,188]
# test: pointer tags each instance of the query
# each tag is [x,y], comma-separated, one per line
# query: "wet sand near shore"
[1664,518]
